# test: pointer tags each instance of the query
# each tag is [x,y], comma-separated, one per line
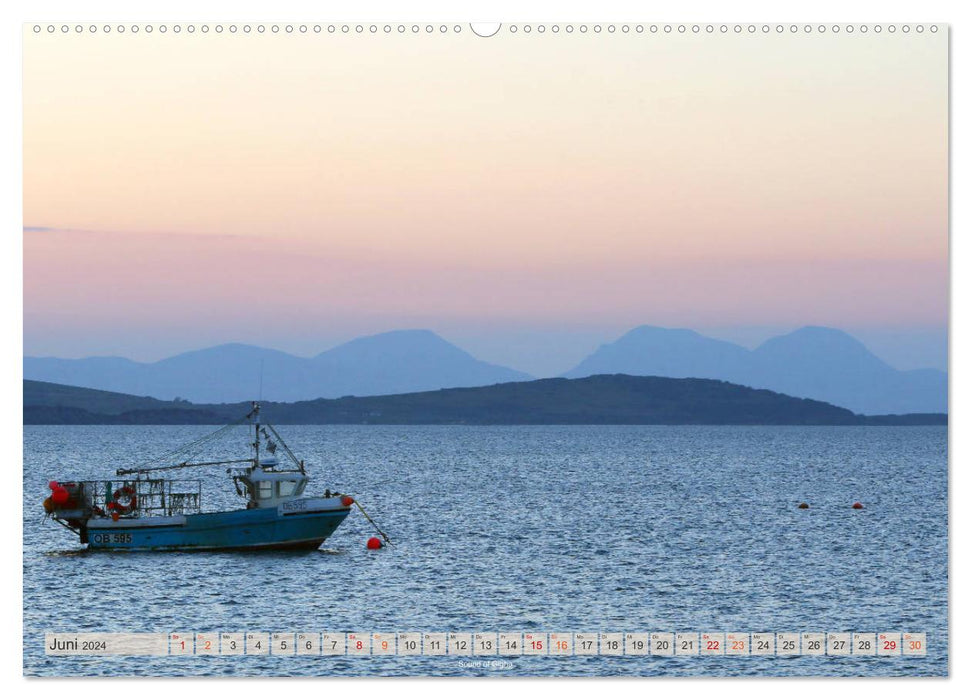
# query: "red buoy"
[346,501]
[60,496]
[857,506]
[374,543]
[52,485]
[114,516]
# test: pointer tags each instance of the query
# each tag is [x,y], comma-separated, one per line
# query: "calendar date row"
[489,644]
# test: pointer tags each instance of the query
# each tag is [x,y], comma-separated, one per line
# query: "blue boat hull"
[253,529]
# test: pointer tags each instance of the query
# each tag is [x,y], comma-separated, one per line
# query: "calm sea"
[569,529]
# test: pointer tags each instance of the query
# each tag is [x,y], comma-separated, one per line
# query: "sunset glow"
[186,189]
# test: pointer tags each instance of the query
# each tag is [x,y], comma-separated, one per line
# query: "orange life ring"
[123,508]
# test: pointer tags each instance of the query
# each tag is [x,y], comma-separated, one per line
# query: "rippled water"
[528,528]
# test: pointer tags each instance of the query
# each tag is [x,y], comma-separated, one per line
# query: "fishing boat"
[140,511]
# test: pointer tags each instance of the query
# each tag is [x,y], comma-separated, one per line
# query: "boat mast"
[256,444]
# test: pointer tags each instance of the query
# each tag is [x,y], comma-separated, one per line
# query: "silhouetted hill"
[605,399]
[833,366]
[389,363]
[405,361]
[813,362]
[818,363]
[47,394]
[56,404]
[665,352]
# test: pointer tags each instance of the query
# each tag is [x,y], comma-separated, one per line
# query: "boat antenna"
[261,380]
[255,415]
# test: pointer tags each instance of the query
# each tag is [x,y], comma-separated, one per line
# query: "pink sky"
[181,191]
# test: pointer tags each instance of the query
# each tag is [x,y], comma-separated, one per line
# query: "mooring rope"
[373,524]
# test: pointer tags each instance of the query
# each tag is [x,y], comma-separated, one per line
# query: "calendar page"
[427,348]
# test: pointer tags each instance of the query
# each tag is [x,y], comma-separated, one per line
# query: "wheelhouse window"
[286,488]
[264,489]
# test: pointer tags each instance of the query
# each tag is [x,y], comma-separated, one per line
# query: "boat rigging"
[148,513]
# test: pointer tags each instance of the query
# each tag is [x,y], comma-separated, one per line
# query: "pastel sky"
[527,196]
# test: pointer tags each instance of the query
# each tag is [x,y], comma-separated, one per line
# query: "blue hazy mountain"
[665,352]
[813,362]
[388,363]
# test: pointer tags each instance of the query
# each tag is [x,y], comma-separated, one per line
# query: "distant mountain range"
[817,363]
[389,363]
[598,400]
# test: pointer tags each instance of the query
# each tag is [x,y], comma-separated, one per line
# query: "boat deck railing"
[152,496]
